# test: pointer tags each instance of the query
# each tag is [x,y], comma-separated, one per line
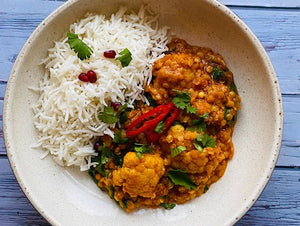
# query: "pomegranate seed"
[97,145]
[83,77]
[109,54]
[116,105]
[92,76]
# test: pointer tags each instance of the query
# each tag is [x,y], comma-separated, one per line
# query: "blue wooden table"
[276,23]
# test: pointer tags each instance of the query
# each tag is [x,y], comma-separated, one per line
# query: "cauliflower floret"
[139,177]
[191,160]
[196,162]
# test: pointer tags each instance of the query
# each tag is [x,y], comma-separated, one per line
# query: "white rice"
[66,112]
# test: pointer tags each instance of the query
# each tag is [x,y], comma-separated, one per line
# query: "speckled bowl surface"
[66,196]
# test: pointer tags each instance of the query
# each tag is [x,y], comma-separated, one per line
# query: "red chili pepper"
[151,118]
[152,136]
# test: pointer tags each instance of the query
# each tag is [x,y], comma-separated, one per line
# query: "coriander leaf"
[149,97]
[190,109]
[177,150]
[203,141]
[119,159]
[204,116]
[167,206]
[190,128]
[101,169]
[125,57]
[201,125]
[160,127]
[123,117]
[229,122]
[121,109]
[180,177]
[182,99]
[105,154]
[118,138]
[198,145]
[218,74]
[101,159]
[141,148]
[233,87]
[108,115]
[208,141]
[205,189]
[175,123]
[79,47]
[111,191]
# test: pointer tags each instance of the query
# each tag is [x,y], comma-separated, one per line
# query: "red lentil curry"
[172,150]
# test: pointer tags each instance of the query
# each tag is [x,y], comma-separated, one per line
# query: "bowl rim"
[215,3]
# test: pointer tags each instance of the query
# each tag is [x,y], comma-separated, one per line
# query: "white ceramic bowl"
[65,196]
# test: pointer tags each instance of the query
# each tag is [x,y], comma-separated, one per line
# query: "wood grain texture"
[286,4]
[277,29]
[276,24]
[276,206]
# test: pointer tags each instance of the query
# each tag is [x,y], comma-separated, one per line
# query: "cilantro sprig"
[233,87]
[232,121]
[109,116]
[125,57]
[79,47]
[141,149]
[180,177]
[101,159]
[176,151]
[118,138]
[160,127]
[167,206]
[218,74]
[183,101]
[203,141]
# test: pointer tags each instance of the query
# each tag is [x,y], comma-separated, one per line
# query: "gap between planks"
[279,202]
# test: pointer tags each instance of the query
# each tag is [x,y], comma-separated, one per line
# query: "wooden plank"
[289,154]
[278,30]
[283,48]
[264,3]
[278,205]
[279,202]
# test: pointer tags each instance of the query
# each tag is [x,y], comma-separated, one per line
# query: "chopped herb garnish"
[218,74]
[111,191]
[141,148]
[160,127]
[125,57]
[203,141]
[167,206]
[101,159]
[201,125]
[108,115]
[191,129]
[233,87]
[180,177]
[118,138]
[149,97]
[183,101]
[177,150]
[105,154]
[205,189]
[175,123]
[229,122]
[122,108]
[82,50]
[123,117]
[204,116]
